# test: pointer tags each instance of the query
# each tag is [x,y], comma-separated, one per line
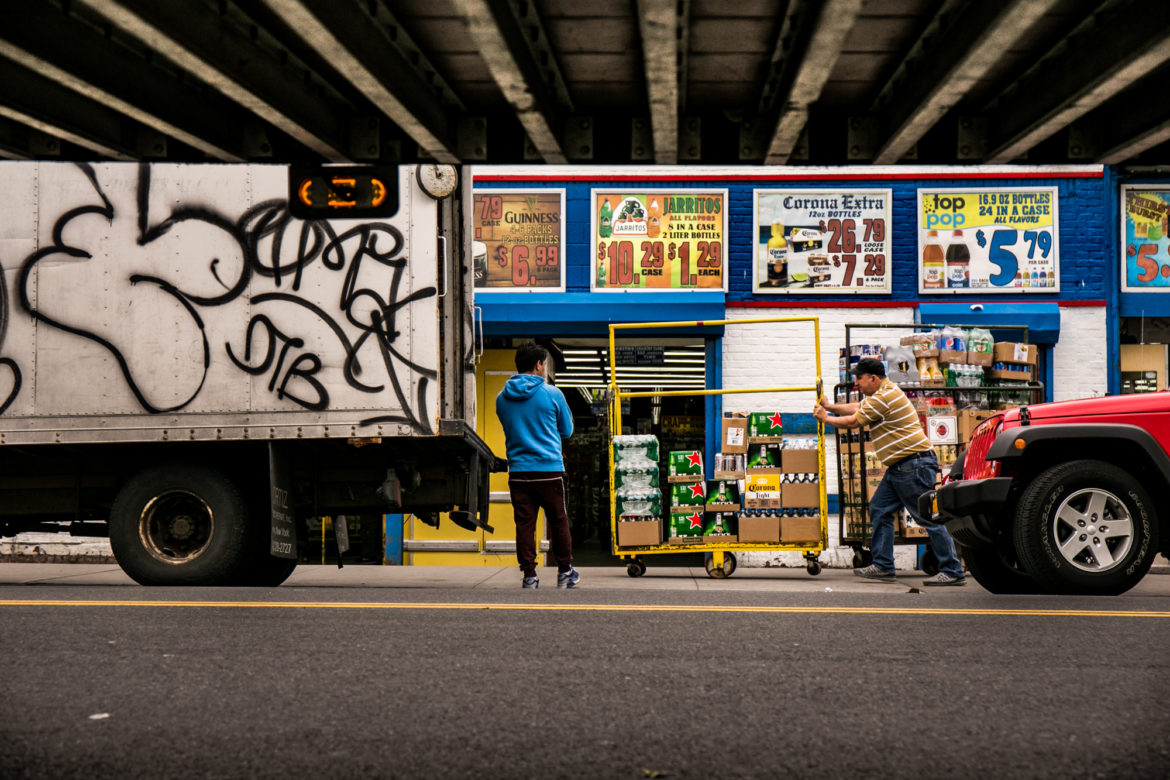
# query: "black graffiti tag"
[280,250]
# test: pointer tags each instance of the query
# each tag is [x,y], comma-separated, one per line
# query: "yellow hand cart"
[720,562]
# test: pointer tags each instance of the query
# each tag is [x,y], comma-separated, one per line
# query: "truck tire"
[997,569]
[1086,527]
[179,525]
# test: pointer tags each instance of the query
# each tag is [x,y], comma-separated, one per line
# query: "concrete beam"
[661,27]
[493,27]
[1120,45]
[817,36]
[34,101]
[191,36]
[960,47]
[63,49]
[345,35]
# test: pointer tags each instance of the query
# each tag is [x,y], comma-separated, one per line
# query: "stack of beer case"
[782,478]
[686,496]
[637,494]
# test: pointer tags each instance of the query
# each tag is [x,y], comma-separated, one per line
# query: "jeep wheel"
[1086,527]
[997,568]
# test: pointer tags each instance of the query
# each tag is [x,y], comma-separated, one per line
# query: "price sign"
[1144,240]
[987,241]
[822,241]
[659,240]
[519,237]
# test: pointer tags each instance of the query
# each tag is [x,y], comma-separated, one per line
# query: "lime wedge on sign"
[800,277]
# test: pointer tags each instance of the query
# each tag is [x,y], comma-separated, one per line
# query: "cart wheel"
[814,567]
[723,572]
[635,568]
[862,558]
[929,563]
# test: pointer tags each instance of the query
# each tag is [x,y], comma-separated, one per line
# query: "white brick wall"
[1079,363]
[782,355]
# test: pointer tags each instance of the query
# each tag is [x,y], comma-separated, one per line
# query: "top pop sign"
[948,213]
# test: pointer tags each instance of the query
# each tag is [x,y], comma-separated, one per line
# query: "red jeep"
[1063,497]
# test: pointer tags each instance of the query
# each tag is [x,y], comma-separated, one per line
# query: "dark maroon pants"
[532,491]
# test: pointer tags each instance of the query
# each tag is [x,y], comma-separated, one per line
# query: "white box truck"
[198,357]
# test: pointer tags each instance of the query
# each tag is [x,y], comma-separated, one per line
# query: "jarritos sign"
[659,239]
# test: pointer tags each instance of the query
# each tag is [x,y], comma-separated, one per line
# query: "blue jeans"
[903,483]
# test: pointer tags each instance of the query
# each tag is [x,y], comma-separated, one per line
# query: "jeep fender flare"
[1005,449]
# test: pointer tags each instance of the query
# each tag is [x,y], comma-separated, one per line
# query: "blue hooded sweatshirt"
[535,417]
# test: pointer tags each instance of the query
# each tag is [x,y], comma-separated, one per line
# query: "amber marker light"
[378,189]
[1019,444]
[303,192]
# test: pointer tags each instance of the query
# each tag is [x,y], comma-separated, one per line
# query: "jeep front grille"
[976,465]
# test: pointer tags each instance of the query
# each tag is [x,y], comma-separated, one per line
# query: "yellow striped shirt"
[893,423]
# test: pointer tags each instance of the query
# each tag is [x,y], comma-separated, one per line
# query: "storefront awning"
[579,314]
[1041,319]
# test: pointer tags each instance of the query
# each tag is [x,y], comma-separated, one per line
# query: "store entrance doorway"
[679,422]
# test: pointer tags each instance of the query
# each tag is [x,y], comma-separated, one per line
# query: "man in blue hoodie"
[536,417]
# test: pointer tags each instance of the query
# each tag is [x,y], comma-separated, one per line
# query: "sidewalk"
[609,578]
[600,578]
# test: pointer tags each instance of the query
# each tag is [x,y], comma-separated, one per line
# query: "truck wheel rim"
[1093,530]
[176,526]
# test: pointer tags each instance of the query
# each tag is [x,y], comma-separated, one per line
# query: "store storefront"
[561,252]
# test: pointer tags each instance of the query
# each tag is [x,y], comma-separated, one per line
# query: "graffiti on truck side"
[174,292]
[10,377]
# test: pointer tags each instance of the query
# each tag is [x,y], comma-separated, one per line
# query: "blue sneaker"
[531,583]
[568,579]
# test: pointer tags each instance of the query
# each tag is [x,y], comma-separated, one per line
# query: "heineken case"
[686,527]
[685,466]
[688,494]
[764,427]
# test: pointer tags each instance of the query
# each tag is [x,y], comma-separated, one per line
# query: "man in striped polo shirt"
[911,468]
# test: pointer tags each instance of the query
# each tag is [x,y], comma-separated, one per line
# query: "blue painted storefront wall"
[1138,304]
[1087,236]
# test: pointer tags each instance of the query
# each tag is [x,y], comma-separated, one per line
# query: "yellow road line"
[423,605]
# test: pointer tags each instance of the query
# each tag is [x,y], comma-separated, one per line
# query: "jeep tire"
[1085,527]
[997,568]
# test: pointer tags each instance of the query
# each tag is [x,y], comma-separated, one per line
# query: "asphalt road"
[370,673]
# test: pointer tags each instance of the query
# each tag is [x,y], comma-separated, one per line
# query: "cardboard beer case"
[719,527]
[800,529]
[684,466]
[800,496]
[723,495]
[686,527]
[758,528]
[762,491]
[764,458]
[639,533]
[688,494]
[1011,352]
[733,436]
[729,465]
[765,427]
[799,462]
